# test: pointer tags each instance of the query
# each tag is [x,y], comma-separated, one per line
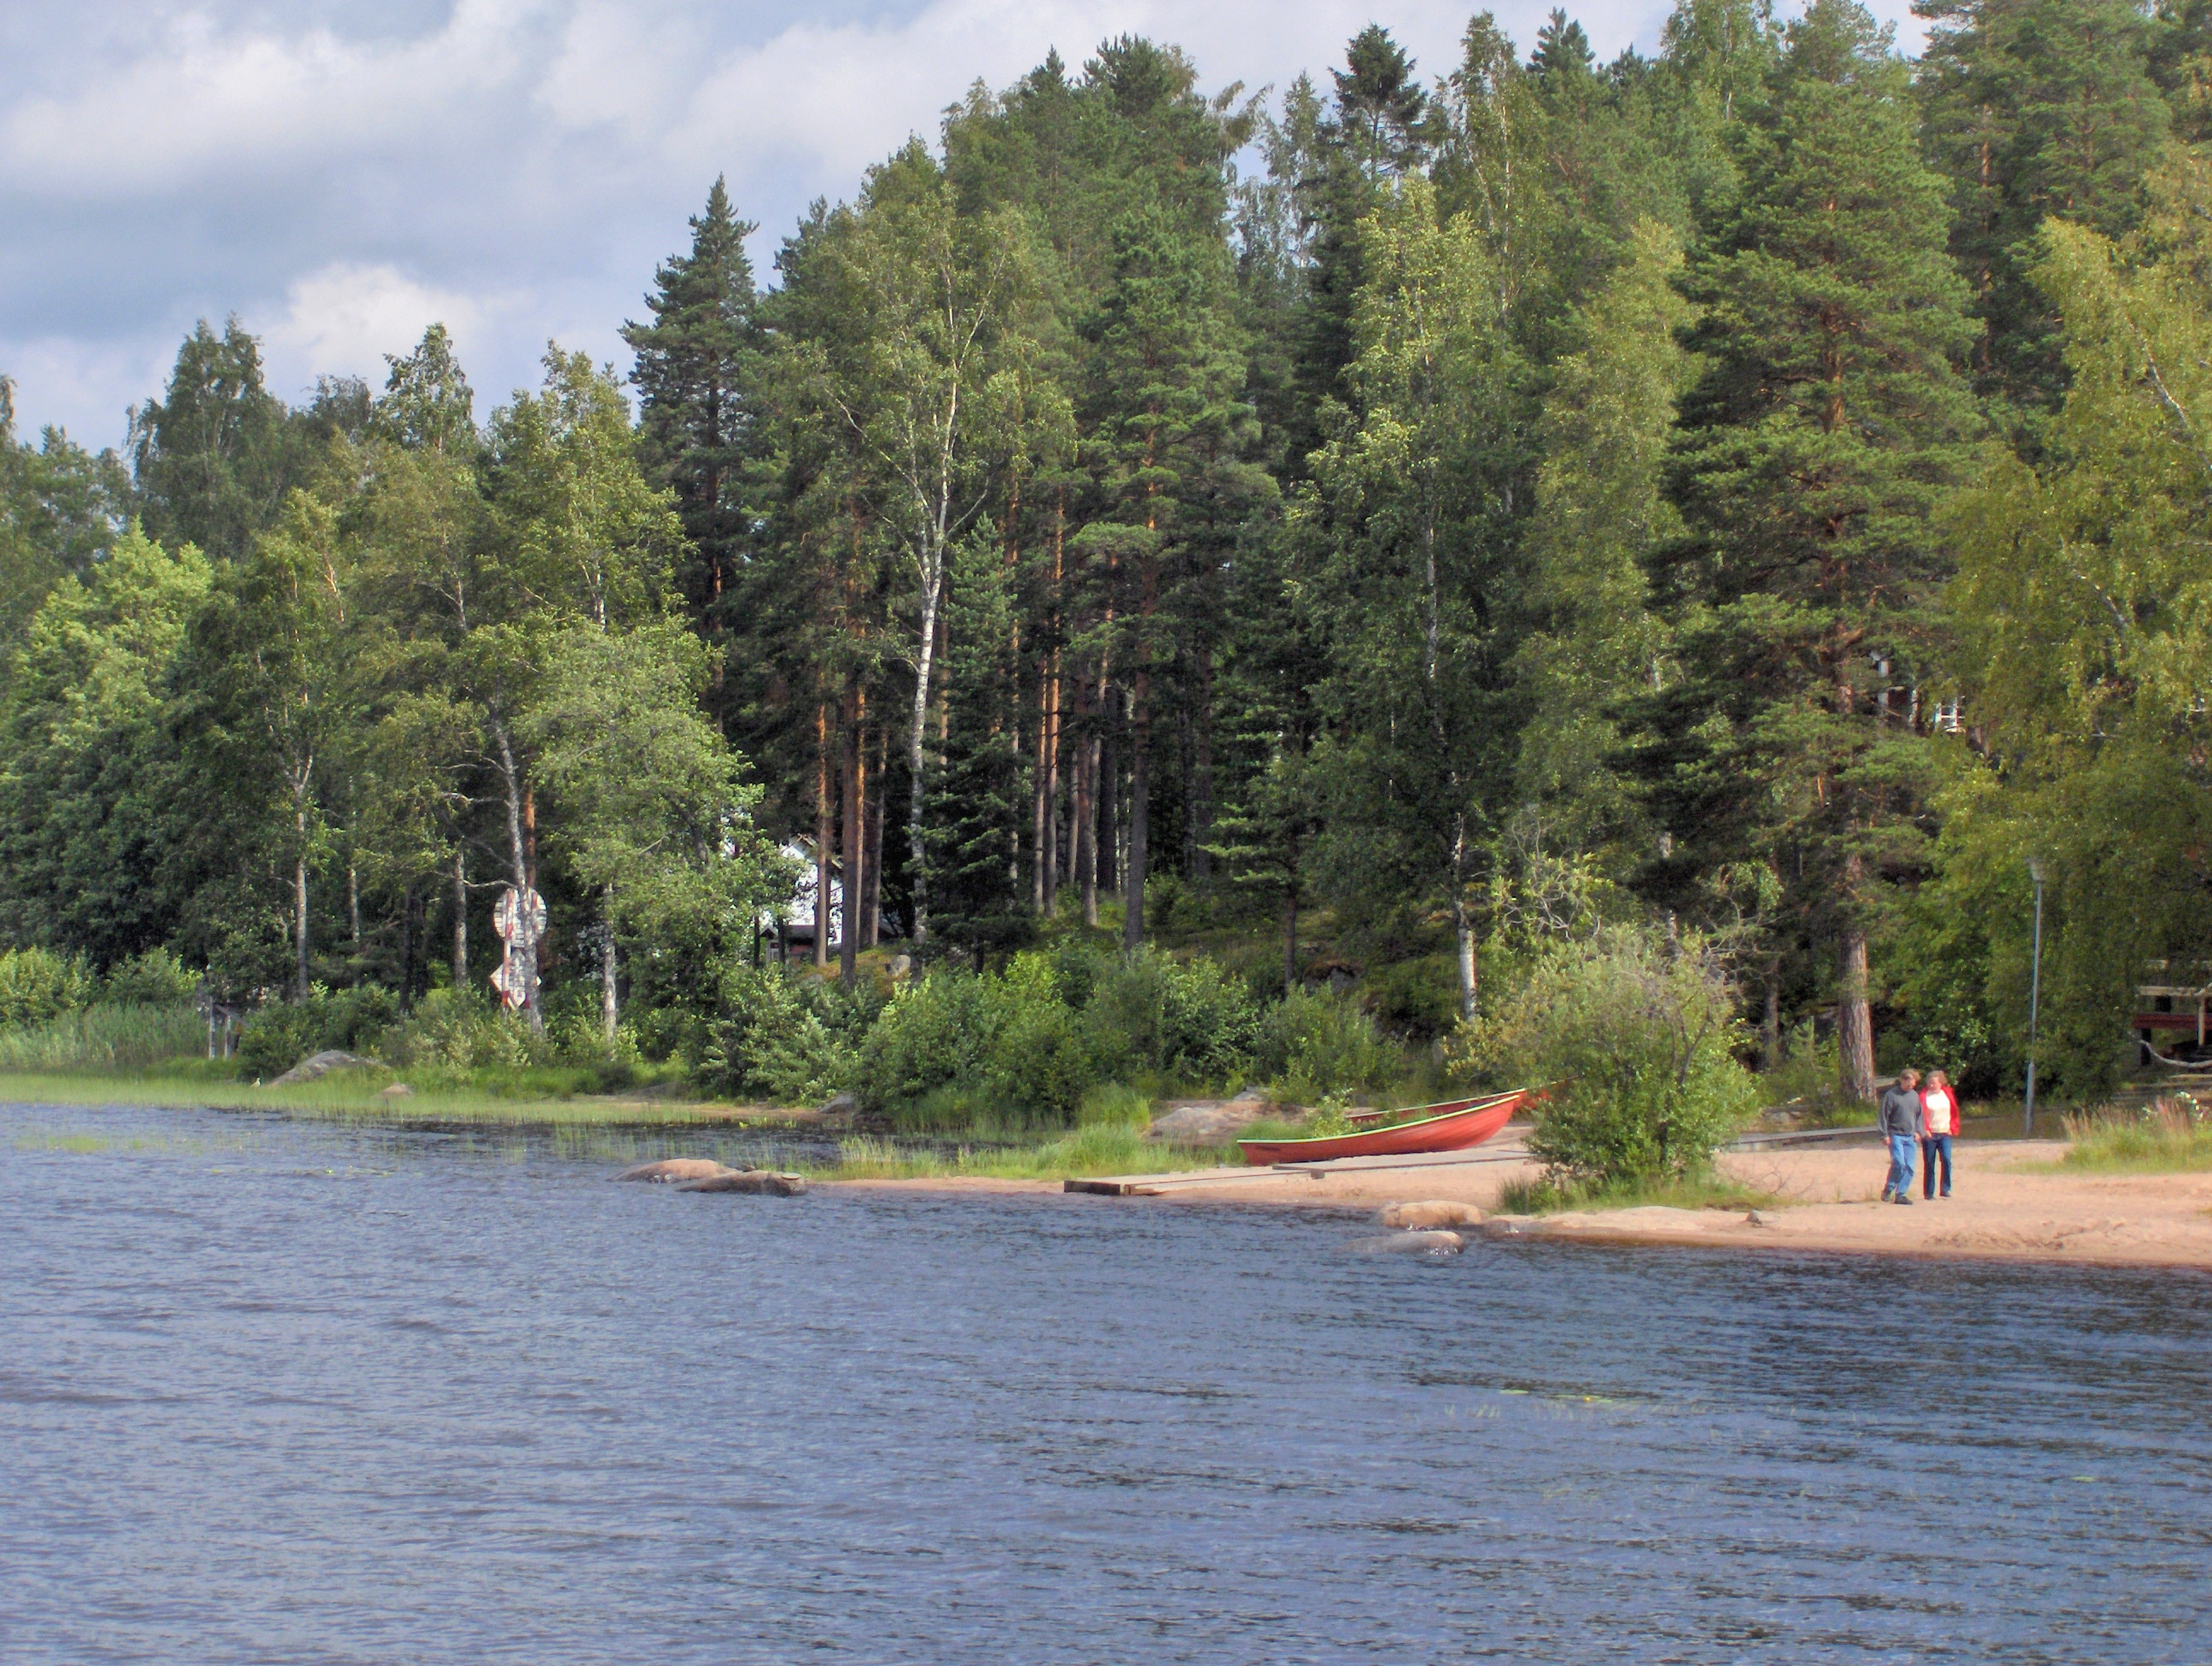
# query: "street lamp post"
[2034,996]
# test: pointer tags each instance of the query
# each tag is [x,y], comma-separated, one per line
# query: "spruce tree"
[693,362]
[1828,421]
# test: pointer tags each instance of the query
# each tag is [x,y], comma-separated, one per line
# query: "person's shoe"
[1887,1196]
[1901,1198]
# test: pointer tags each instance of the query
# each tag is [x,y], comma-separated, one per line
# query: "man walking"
[1901,1128]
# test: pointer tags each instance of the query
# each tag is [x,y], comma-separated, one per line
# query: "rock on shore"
[676,1170]
[316,1066]
[1212,1121]
[760,1182]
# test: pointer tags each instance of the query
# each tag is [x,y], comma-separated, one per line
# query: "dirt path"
[1830,1204]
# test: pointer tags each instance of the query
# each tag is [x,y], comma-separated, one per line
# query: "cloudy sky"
[340,173]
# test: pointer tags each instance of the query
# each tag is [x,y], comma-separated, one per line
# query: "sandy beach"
[2000,1207]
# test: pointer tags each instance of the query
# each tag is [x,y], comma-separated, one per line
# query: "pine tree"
[695,361]
[1828,421]
[2035,108]
[1169,431]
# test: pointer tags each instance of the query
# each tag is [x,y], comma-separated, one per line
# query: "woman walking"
[1940,1117]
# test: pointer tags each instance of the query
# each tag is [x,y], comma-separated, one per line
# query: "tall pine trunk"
[461,919]
[871,813]
[823,835]
[610,1011]
[1141,783]
[1085,830]
[1854,1017]
[849,946]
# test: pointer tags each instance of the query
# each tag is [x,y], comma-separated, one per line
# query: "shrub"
[791,1040]
[353,1020]
[1038,1062]
[1316,1043]
[155,978]
[1639,1031]
[458,1029]
[1187,1019]
[37,984]
[931,1035]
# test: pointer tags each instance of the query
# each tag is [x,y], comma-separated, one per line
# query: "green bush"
[934,1035]
[1639,1031]
[1316,1044]
[788,1039]
[37,984]
[1038,1062]
[353,1020]
[155,978]
[458,1029]
[1187,1021]
[108,1036]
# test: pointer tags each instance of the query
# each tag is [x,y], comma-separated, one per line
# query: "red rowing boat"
[1453,1126]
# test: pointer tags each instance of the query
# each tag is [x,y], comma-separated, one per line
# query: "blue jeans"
[1933,1145]
[1901,1154]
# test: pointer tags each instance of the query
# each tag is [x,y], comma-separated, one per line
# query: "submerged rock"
[317,1065]
[1433,1214]
[1512,1226]
[1410,1244]
[674,1171]
[758,1181]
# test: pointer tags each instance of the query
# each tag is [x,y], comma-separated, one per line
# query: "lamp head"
[2035,869]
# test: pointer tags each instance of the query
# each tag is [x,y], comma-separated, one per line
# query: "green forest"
[1228,585]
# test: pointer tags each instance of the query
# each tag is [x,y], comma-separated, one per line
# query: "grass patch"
[1084,1152]
[1542,1196]
[353,1095]
[128,1036]
[2173,1140]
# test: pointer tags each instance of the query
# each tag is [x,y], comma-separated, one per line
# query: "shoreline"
[2012,1203]
[2003,1208]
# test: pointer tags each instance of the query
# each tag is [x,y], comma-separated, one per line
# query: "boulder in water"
[1432,1214]
[759,1183]
[677,1171]
[1410,1244]
[316,1066]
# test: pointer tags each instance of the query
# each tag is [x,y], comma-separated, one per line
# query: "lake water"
[292,1393]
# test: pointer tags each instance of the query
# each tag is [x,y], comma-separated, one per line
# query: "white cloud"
[343,319]
[341,172]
